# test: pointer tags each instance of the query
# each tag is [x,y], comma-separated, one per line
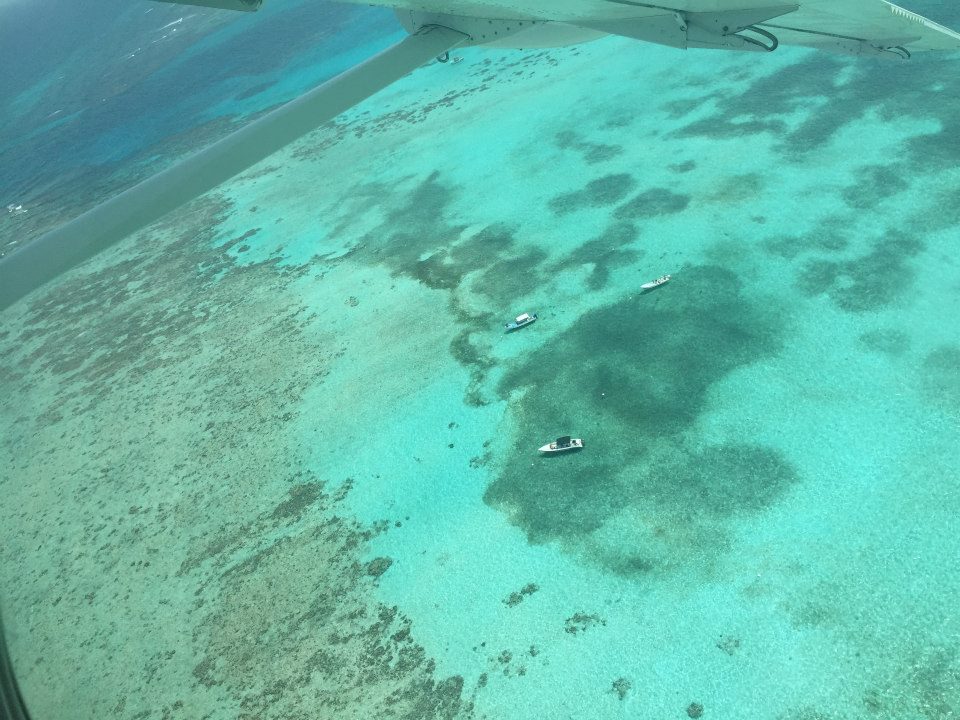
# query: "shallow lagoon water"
[275,457]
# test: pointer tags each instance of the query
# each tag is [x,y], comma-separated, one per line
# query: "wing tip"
[937,37]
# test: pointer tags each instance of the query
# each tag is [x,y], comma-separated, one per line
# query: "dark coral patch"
[447,266]
[509,278]
[611,241]
[868,282]
[941,377]
[566,139]
[873,185]
[324,637]
[886,341]
[728,644]
[828,236]
[516,597]
[730,128]
[417,240]
[414,227]
[941,211]
[300,498]
[123,346]
[634,407]
[926,684]
[725,480]
[806,714]
[621,686]
[739,188]
[676,109]
[378,566]
[598,277]
[592,152]
[607,252]
[239,239]
[437,271]
[492,241]
[653,203]
[934,680]
[468,354]
[581,622]
[600,152]
[760,108]
[815,611]
[602,192]
[683,167]
[810,85]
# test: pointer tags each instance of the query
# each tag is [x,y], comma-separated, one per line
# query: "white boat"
[655,283]
[563,444]
[521,321]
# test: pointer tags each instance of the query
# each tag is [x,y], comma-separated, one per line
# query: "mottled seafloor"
[275,458]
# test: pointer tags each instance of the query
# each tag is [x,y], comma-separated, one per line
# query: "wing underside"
[879,23]
[823,24]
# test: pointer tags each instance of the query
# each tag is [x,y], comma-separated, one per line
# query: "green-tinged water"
[275,457]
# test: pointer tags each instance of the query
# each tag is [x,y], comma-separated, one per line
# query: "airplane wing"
[834,25]
[855,27]
[849,26]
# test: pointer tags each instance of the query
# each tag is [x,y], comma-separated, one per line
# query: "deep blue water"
[76,104]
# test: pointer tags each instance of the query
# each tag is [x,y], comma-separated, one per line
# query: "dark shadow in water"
[940,375]
[829,236]
[887,341]
[633,379]
[869,282]
[607,252]
[601,192]
[893,90]
[592,152]
[874,183]
[653,203]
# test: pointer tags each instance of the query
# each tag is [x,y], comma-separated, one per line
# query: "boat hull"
[551,449]
[512,326]
[655,283]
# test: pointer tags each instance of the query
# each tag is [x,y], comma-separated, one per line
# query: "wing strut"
[70,244]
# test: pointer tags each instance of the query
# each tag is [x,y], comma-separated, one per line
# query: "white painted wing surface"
[816,23]
[820,23]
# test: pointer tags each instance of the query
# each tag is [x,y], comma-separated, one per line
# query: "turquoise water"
[275,457]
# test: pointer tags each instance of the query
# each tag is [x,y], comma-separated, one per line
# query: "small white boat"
[521,321]
[655,283]
[563,444]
